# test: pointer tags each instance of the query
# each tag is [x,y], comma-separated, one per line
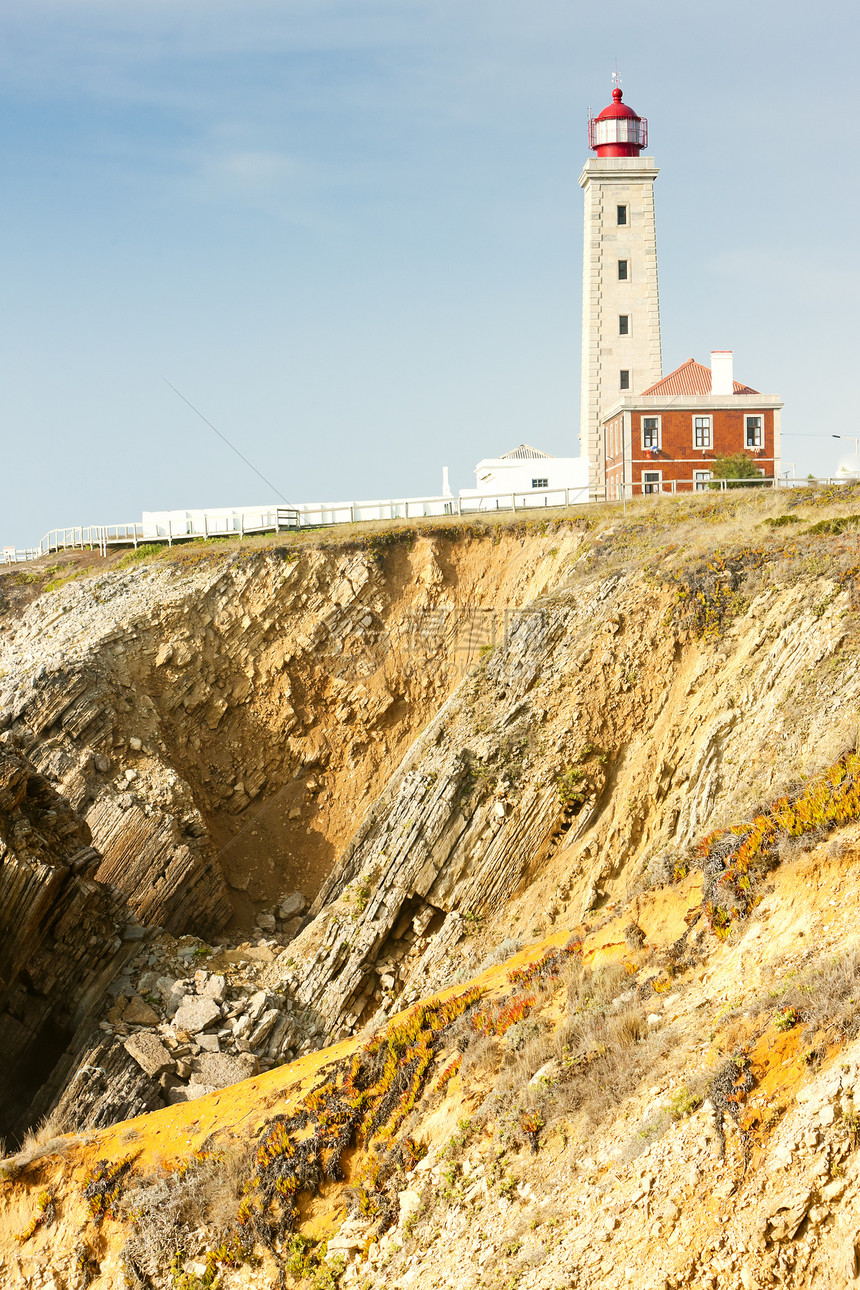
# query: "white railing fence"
[169,527]
[17,555]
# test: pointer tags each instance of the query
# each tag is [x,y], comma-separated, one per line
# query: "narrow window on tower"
[621,214]
[624,381]
[623,324]
[622,270]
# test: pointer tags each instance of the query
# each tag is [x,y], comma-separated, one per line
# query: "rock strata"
[62,934]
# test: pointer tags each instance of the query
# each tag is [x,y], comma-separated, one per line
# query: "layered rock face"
[463,745]
[220,721]
[429,737]
[218,724]
[602,736]
[61,932]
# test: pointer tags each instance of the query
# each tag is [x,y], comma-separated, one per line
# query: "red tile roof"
[691,378]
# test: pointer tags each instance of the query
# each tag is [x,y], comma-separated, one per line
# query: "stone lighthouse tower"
[620,302]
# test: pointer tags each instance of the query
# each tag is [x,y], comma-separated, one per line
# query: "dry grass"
[189,1210]
[598,1053]
[826,997]
[49,1138]
[666,537]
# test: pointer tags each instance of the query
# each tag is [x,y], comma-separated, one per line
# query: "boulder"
[256,1004]
[139,1013]
[173,993]
[410,1203]
[195,1014]
[293,905]
[189,1093]
[149,1053]
[221,1069]
[263,1028]
[782,1225]
[214,987]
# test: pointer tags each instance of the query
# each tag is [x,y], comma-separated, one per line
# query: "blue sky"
[349,231]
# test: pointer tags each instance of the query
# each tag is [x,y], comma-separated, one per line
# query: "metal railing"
[318,515]
[92,536]
[17,555]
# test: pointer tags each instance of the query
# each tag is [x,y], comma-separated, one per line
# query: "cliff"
[625,744]
[63,936]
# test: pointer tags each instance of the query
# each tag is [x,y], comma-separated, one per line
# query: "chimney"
[722,380]
[446,487]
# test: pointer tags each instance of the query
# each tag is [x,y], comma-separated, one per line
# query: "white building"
[536,478]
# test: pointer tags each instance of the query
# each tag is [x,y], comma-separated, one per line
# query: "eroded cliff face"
[63,935]
[220,724]
[223,722]
[600,739]
[453,744]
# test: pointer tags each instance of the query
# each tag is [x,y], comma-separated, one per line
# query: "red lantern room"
[618,131]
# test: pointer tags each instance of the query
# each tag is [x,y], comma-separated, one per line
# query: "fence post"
[514,501]
[169,531]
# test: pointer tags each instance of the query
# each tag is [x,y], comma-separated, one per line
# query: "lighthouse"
[621,348]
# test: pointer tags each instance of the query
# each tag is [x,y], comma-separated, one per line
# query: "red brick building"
[665,439]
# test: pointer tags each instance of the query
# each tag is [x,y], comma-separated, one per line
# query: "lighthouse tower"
[620,302]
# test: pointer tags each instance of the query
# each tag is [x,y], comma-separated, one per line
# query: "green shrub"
[780,521]
[146,551]
[736,466]
[572,786]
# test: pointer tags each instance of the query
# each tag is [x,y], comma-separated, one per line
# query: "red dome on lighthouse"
[618,131]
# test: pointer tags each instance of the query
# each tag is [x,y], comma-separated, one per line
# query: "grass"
[735,860]
[666,535]
[824,999]
[167,1209]
[146,551]
[56,583]
[48,1138]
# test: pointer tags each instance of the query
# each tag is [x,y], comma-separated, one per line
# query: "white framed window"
[624,379]
[651,432]
[703,432]
[623,270]
[701,479]
[652,481]
[621,214]
[753,431]
[623,324]
[540,483]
